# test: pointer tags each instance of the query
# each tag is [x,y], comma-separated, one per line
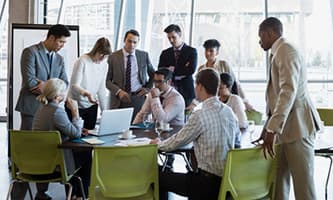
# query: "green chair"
[254,115]
[124,173]
[248,175]
[35,157]
[326,115]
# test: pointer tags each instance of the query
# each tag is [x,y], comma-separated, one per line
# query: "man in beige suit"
[292,119]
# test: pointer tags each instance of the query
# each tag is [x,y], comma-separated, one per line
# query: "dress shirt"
[135,83]
[237,105]
[212,130]
[88,76]
[171,110]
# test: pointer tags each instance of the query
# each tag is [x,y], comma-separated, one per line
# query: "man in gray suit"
[292,119]
[127,76]
[39,63]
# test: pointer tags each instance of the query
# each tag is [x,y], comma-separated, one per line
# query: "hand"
[73,107]
[155,92]
[248,106]
[260,140]
[143,91]
[84,132]
[171,68]
[268,146]
[38,89]
[190,107]
[155,141]
[124,96]
[91,98]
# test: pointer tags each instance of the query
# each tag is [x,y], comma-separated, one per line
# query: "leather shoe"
[42,196]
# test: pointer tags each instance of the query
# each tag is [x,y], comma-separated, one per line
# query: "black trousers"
[196,186]
[89,116]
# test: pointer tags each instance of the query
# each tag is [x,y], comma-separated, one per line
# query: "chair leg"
[10,189]
[70,188]
[81,187]
[30,193]
[328,175]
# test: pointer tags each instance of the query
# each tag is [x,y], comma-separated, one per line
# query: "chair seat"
[253,193]
[149,195]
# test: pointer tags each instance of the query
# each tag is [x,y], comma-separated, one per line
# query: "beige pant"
[296,159]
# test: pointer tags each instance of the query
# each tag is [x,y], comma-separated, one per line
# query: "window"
[3,56]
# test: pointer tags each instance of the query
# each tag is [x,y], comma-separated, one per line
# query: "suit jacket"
[290,110]
[35,66]
[186,65]
[116,79]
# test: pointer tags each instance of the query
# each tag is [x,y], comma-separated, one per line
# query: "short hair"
[58,31]
[53,87]
[209,79]
[227,79]
[212,43]
[273,24]
[102,46]
[171,28]
[133,32]
[165,72]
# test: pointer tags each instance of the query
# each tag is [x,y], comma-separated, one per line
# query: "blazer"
[116,79]
[35,66]
[290,110]
[186,66]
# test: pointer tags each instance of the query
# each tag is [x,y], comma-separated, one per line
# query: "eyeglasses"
[159,81]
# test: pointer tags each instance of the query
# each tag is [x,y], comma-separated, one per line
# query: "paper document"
[93,140]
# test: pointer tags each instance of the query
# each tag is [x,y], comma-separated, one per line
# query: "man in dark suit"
[127,76]
[182,60]
[39,63]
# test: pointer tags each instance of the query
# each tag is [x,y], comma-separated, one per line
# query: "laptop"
[114,121]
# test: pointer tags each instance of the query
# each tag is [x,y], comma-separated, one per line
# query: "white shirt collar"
[276,45]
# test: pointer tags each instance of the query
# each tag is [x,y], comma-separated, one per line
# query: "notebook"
[114,121]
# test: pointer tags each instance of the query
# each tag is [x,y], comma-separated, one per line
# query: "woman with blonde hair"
[87,85]
[51,115]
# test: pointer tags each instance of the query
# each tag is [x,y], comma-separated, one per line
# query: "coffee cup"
[165,126]
[127,134]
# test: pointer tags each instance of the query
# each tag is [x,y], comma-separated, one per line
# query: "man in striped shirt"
[213,131]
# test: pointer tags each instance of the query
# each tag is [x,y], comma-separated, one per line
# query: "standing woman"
[88,82]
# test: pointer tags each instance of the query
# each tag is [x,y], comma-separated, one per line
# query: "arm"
[110,76]
[240,111]
[170,111]
[145,109]
[102,93]
[187,134]
[65,126]
[150,71]
[28,69]
[63,74]
[191,63]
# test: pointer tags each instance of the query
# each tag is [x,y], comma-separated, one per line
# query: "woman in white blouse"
[87,85]
[232,100]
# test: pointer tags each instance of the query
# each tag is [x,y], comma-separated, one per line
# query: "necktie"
[177,54]
[161,99]
[128,74]
[49,58]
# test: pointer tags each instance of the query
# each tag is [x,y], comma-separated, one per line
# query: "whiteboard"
[25,35]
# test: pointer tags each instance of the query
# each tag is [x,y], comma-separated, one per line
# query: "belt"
[205,173]
[134,93]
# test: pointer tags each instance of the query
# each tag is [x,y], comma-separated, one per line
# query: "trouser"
[136,103]
[89,116]
[196,186]
[296,159]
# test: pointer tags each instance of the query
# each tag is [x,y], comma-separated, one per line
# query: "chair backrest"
[36,153]
[256,116]
[326,115]
[123,172]
[248,175]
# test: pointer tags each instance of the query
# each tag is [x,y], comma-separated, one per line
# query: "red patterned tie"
[128,74]
[177,54]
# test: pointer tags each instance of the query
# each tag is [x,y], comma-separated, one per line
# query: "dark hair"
[171,28]
[133,32]
[273,24]
[227,79]
[58,31]
[212,43]
[165,72]
[102,46]
[209,79]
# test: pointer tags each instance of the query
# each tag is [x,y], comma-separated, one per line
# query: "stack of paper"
[93,140]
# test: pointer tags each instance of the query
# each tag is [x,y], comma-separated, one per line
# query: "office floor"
[57,190]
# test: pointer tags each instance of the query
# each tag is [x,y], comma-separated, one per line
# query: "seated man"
[213,131]
[164,102]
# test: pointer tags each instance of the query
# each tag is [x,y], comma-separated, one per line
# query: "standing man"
[39,63]
[292,118]
[213,131]
[127,75]
[182,60]
[163,101]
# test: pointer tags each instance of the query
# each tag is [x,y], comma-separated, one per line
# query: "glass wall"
[307,23]
[3,57]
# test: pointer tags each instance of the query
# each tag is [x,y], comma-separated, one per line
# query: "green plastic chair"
[254,115]
[248,175]
[326,115]
[124,173]
[35,157]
